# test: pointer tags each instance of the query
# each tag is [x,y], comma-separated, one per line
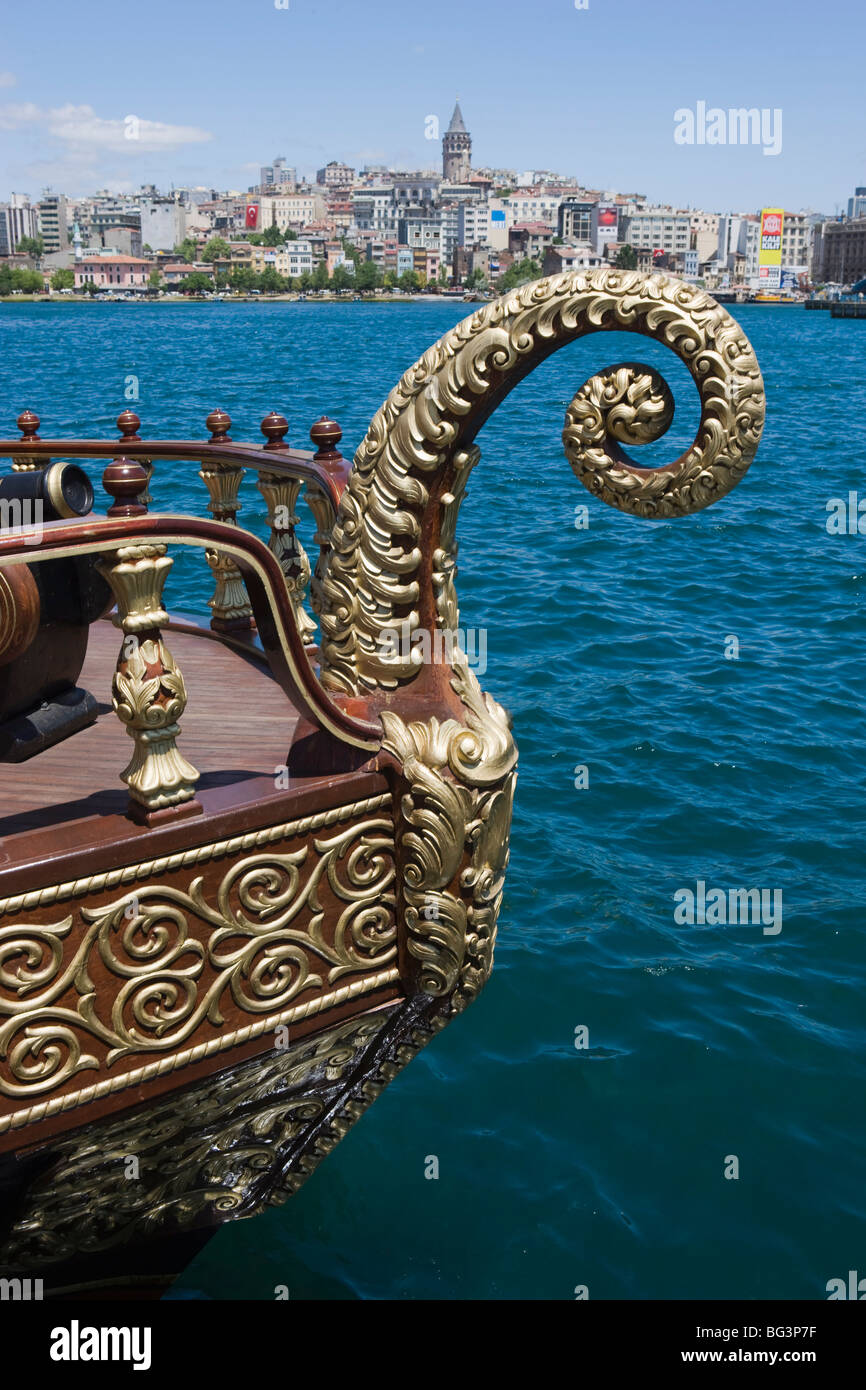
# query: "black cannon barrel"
[56,493]
[66,595]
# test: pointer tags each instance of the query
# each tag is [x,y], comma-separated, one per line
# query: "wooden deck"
[237,725]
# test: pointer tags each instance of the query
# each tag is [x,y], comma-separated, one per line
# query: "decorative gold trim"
[53,486]
[97,883]
[48,1108]
[181,954]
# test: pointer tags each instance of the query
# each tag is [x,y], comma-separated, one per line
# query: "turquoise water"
[602,1166]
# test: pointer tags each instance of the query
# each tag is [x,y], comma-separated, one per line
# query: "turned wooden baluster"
[148,689]
[281,497]
[128,423]
[326,435]
[28,424]
[230,604]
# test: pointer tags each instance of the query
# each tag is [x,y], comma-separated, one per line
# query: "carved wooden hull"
[206,978]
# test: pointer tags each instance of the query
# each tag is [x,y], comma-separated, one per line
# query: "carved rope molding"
[407,459]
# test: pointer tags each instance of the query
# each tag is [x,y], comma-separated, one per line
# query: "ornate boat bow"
[392,563]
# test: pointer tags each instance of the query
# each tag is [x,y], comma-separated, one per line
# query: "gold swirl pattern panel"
[207,956]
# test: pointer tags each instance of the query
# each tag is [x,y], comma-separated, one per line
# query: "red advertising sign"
[252,216]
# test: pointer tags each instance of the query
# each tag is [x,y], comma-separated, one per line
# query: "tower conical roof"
[457,126]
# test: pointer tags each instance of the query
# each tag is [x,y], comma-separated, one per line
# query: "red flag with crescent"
[252,216]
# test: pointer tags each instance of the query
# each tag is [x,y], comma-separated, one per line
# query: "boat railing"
[281,473]
[130,550]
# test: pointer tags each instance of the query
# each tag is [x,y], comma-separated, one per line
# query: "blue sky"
[221,86]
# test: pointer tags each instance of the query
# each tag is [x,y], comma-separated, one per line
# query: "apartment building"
[473,223]
[423,233]
[53,223]
[294,258]
[530,239]
[374,209]
[657,229]
[704,227]
[534,205]
[840,252]
[335,176]
[289,210]
[163,223]
[17,219]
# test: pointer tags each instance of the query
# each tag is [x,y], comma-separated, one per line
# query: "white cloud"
[8,79]
[79,127]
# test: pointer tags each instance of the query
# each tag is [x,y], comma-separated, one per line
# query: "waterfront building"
[17,219]
[425,264]
[405,259]
[112,272]
[382,251]
[175,272]
[449,214]
[53,223]
[796,242]
[456,149]
[840,252]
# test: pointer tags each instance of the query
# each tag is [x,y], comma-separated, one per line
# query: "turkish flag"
[252,216]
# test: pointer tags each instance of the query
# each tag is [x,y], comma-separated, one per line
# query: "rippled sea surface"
[601,1166]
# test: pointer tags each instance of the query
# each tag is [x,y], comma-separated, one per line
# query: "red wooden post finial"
[326,435]
[125,481]
[275,427]
[219,422]
[128,423]
[28,424]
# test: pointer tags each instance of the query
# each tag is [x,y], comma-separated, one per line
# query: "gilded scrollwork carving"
[176,956]
[221,1149]
[412,450]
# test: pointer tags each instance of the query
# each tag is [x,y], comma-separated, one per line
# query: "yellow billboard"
[770,251]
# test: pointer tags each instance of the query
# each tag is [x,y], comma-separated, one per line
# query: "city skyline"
[205,118]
